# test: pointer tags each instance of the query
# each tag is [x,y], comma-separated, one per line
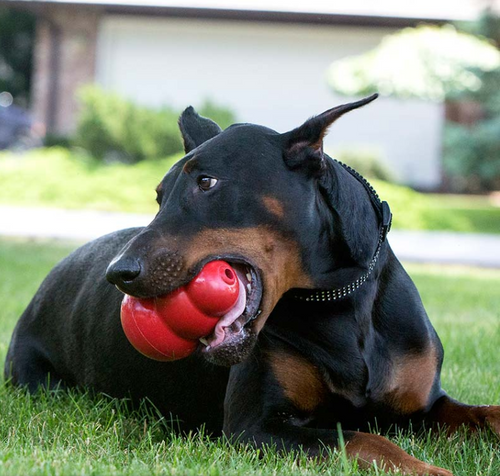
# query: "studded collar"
[385,218]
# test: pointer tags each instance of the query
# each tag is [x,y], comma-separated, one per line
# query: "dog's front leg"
[451,415]
[257,411]
[369,449]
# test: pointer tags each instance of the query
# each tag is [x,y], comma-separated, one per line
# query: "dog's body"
[62,334]
[293,220]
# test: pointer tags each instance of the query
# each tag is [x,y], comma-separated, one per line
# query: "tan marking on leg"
[370,449]
[412,380]
[300,380]
[274,206]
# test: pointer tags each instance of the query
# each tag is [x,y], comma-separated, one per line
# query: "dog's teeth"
[249,287]
[249,277]
[204,341]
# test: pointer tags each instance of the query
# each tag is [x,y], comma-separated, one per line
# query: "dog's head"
[267,203]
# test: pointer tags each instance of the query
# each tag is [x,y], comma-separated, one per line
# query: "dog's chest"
[400,385]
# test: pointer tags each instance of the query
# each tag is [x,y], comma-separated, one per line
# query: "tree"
[426,62]
[472,151]
[17,31]
[455,64]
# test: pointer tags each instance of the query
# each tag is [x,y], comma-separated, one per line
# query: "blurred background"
[90,92]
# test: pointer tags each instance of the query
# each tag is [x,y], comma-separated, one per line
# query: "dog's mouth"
[234,331]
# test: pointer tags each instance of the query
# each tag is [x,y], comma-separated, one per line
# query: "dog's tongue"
[227,319]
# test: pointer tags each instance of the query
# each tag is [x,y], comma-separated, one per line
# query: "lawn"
[59,178]
[72,433]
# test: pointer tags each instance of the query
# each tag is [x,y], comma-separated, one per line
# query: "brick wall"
[64,59]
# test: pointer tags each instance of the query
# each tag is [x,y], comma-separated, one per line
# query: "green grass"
[417,211]
[73,433]
[58,178]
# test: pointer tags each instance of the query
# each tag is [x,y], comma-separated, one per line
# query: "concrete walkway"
[76,225]
[433,246]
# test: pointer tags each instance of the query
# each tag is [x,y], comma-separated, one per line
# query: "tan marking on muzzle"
[277,257]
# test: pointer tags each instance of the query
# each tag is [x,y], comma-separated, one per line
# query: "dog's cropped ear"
[196,129]
[304,145]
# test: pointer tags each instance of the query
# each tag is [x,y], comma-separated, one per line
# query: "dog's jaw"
[235,348]
[234,342]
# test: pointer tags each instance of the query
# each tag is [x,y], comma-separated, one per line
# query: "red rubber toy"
[168,328]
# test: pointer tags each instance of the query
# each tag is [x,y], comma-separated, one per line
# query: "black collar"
[385,218]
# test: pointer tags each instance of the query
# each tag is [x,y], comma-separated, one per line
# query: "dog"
[333,330]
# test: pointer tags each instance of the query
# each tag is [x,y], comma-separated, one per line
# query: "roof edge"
[233,14]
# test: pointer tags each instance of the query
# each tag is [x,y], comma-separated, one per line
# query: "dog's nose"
[123,271]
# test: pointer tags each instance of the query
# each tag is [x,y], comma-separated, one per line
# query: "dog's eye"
[206,183]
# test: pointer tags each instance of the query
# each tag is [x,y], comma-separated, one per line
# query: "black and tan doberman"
[333,330]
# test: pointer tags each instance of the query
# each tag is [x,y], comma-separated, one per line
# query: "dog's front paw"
[418,468]
[491,417]
[374,449]
[433,471]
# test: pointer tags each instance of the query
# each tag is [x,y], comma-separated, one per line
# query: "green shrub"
[367,162]
[112,128]
[221,115]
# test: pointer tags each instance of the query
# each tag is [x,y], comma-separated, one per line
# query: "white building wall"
[270,74]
